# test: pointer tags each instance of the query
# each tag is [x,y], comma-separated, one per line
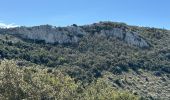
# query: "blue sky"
[153,13]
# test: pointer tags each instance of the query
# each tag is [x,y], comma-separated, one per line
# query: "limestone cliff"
[72,34]
[129,37]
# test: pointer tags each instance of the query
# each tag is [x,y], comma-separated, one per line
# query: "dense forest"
[101,61]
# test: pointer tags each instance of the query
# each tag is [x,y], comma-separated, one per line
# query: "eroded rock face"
[50,34]
[134,39]
[72,34]
[129,37]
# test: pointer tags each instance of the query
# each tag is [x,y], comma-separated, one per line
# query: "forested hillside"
[105,60]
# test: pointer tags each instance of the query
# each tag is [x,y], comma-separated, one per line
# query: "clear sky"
[153,13]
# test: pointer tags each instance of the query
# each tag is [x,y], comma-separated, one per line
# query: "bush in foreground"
[37,83]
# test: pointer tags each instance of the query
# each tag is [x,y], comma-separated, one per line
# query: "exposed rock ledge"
[130,38]
[72,34]
[51,34]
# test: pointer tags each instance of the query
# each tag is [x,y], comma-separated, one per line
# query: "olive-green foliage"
[37,83]
[33,83]
[94,54]
[100,90]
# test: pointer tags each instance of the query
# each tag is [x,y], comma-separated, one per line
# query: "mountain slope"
[89,52]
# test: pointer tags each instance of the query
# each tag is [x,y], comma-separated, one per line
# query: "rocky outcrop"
[72,34]
[130,38]
[50,34]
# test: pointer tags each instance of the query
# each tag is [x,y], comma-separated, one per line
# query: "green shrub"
[100,90]
[37,83]
[18,83]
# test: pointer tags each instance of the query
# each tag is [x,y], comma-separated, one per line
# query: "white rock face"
[72,34]
[129,37]
[51,34]
[134,39]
